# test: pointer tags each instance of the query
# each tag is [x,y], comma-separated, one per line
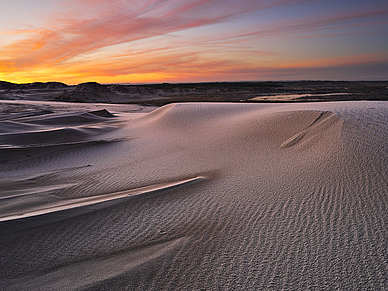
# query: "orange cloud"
[115,22]
[80,45]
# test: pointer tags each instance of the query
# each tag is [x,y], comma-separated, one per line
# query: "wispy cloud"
[116,22]
[320,23]
[93,27]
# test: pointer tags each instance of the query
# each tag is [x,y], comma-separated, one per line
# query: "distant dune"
[194,196]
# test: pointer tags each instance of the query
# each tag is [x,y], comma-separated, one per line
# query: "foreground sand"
[194,196]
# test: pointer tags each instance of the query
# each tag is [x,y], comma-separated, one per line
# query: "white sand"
[194,196]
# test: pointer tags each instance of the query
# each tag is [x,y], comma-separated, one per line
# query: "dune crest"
[68,204]
[321,124]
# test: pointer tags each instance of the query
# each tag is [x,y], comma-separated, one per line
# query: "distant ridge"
[4,85]
[165,93]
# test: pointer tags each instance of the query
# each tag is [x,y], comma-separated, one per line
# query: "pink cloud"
[115,22]
[92,25]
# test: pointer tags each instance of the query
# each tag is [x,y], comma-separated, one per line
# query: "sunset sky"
[148,41]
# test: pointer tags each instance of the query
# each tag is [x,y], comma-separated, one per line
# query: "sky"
[153,41]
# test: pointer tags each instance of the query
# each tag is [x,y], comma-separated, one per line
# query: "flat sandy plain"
[194,196]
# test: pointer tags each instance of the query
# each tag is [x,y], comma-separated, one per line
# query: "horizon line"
[202,82]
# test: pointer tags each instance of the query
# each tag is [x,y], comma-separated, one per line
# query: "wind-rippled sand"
[195,196]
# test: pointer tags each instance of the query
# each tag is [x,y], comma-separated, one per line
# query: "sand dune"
[193,196]
[70,204]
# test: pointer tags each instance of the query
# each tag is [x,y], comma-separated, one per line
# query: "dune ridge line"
[86,201]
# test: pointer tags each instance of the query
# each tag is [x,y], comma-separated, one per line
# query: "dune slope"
[196,196]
